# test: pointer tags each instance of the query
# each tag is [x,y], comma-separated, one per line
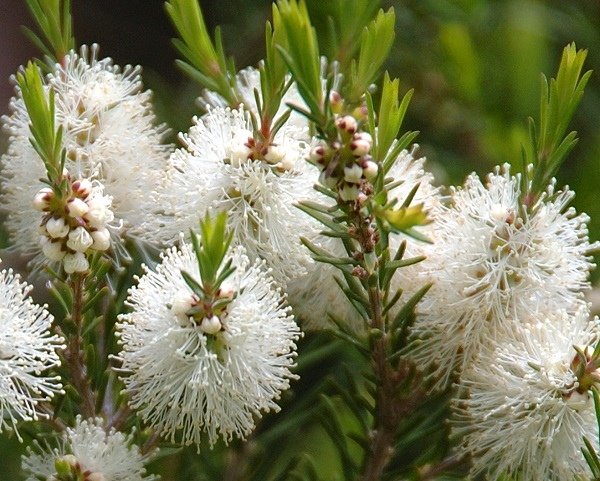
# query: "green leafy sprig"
[549,143]
[46,138]
[211,246]
[376,42]
[54,21]
[205,61]
[301,53]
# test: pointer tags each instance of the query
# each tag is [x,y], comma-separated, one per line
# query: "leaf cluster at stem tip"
[549,146]
[211,247]
[205,61]
[53,18]
[45,137]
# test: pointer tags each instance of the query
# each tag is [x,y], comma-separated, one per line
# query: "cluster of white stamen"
[187,372]
[87,452]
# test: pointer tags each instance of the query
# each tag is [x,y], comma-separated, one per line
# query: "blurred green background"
[475,67]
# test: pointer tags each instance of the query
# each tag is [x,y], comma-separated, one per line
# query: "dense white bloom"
[27,348]
[208,175]
[185,377]
[109,134]
[89,448]
[492,264]
[316,294]
[523,415]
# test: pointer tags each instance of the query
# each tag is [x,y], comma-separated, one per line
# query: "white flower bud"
[579,401]
[42,199]
[75,263]
[349,192]
[52,250]
[101,239]
[70,460]
[99,213]
[210,325]
[287,163]
[366,136]
[498,212]
[360,147]
[275,153]
[370,169]
[80,239]
[353,174]
[239,152]
[95,477]
[181,304]
[57,228]
[347,123]
[77,207]
[82,187]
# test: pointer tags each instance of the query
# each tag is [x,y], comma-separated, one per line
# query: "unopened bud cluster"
[74,224]
[245,147]
[69,469]
[207,315]
[345,164]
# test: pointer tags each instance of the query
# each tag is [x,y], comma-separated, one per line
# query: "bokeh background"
[474,65]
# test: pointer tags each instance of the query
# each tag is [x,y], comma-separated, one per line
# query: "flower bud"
[336,101]
[41,201]
[274,154]
[99,213]
[75,263]
[239,151]
[353,174]
[52,250]
[349,192]
[57,227]
[77,207]
[101,239]
[318,156]
[347,123]
[360,147]
[181,304]
[82,187]
[579,401]
[370,170]
[95,477]
[210,325]
[65,464]
[80,239]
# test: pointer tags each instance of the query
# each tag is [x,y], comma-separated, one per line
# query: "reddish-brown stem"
[74,353]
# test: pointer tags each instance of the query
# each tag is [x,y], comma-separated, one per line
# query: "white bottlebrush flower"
[88,448]
[27,349]
[492,264]
[316,294]
[523,415]
[109,135]
[185,378]
[258,197]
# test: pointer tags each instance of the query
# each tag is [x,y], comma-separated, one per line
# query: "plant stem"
[74,352]
[385,417]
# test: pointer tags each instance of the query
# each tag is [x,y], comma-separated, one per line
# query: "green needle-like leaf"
[53,18]
[205,62]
